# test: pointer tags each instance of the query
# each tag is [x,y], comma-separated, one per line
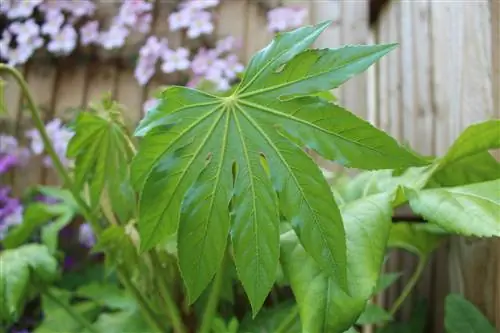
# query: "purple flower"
[175,60]
[64,41]
[11,154]
[201,23]
[59,136]
[114,38]
[232,66]
[283,18]
[203,60]
[89,33]
[23,8]
[11,211]
[4,43]
[86,236]
[25,31]
[180,19]
[199,4]
[53,22]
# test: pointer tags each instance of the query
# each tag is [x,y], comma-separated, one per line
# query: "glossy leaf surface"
[232,164]
[461,316]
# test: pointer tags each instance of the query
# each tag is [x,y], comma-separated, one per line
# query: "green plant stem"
[71,312]
[40,126]
[422,262]
[68,183]
[148,314]
[213,299]
[288,321]
[171,307]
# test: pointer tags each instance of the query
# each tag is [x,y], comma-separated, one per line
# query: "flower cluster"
[11,211]
[284,18]
[58,134]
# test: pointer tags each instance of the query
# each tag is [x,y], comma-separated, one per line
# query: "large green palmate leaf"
[21,271]
[100,147]
[232,164]
[461,316]
[324,306]
[471,210]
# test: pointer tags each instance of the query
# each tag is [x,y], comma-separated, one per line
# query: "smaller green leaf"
[416,324]
[122,322]
[107,295]
[21,269]
[36,215]
[269,320]
[413,238]
[461,316]
[385,281]
[373,314]
[50,232]
[470,210]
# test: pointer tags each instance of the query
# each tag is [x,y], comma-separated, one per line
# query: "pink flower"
[114,38]
[175,60]
[150,104]
[5,6]
[202,61]
[89,33]
[200,24]
[63,42]
[180,19]
[227,44]
[53,23]
[80,8]
[154,47]
[200,4]
[144,70]
[131,12]
[22,8]
[283,18]
[232,66]
[143,24]
[24,31]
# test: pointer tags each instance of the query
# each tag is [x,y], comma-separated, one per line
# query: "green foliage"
[23,270]
[470,210]
[385,281]
[461,316]
[324,306]
[271,320]
[414,238]
[102,153]
[373,314]
[194,141]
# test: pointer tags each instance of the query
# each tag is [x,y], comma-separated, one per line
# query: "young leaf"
[193,140]
[122,321]
[468,160]
[414,238]
[470,210]
[102,155]
[108,295]
[20,269]
[416,324]
[461,316]
[324,307]
[385,281]
[373,314]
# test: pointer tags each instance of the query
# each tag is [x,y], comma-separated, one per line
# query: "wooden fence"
[444,76]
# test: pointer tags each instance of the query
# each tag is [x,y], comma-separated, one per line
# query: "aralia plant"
[225,181]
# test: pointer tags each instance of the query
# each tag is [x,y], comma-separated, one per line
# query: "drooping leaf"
[100,147]
[21,270]
[461,316]
[324,307]
[414,238]
[373,314]
[108,295]
[194,142]
[416,324]
[467,210]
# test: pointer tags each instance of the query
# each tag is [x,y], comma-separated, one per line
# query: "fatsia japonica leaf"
[21,271]
[324,306]
[231,164]
[470,210]
[102,155]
